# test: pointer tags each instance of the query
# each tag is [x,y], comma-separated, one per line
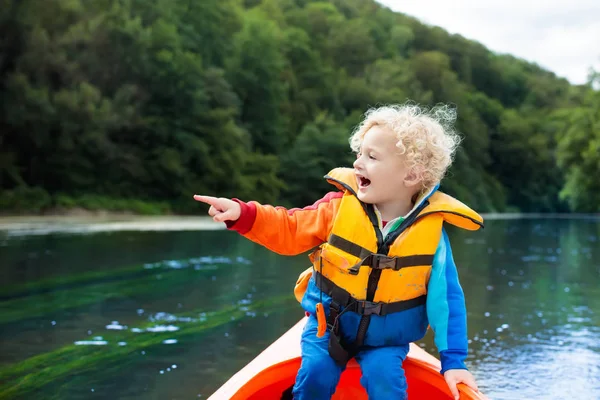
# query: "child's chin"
[363,197]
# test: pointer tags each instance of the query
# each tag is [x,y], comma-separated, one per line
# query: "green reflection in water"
[76,290]
[46,369]
[93,277]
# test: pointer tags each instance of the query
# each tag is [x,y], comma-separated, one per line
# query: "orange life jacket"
[351,253]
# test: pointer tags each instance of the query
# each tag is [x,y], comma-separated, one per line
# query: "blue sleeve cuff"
[453,359]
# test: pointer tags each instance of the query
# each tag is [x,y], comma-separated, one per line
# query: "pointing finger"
[206,199]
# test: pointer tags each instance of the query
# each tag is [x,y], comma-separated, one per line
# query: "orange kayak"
[274,370]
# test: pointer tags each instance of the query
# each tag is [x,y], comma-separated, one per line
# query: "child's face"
[381,173]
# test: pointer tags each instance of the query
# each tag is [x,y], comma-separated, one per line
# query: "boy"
[383,270]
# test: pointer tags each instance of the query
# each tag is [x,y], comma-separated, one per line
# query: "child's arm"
[287,232]
[447,316]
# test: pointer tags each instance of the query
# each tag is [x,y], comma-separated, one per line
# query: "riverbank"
[103,222]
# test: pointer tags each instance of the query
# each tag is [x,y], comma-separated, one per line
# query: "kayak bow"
[274,370]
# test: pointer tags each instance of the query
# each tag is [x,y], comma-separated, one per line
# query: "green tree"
[352,47]
[401,38]
[578,152]
[153,100]
[254,71]
[320,147]
[522,165]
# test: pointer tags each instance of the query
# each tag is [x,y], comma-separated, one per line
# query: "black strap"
[370,307]
[375,274]
[343,299]
[342,352]
[382,261]
[361,332]
[348,246]
[409,261]
[339,351]
[377,261]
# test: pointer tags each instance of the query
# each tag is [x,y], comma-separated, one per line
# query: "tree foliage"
[155,101]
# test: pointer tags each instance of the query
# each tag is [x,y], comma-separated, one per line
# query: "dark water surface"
[172,315]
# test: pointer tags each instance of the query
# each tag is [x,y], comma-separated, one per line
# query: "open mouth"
[363,182]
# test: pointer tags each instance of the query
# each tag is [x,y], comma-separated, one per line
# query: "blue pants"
[382,373]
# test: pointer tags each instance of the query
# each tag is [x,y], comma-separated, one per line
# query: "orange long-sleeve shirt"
[288,232]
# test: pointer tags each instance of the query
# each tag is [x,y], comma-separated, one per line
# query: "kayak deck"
[274,370]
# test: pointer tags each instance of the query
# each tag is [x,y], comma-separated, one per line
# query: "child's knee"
[383,376]
[317,378]
[385,383]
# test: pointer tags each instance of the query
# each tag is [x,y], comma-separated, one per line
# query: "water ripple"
[91,343]
[198,263]
[116,326]
[542,363]
[163,328]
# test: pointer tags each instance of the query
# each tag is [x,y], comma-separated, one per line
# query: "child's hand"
[221,209]
[456,376]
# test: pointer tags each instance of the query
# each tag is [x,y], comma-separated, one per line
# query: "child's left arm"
[447,316]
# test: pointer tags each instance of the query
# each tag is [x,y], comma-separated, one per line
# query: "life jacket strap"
[339,351]
[382,261]
[377,261]
[341,302]
[348,246]
[344,300]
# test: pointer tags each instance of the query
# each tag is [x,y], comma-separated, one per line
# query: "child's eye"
[372,157]
[358,155]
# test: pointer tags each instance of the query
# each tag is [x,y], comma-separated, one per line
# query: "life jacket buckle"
[368,308]
[355,268]
[382,261]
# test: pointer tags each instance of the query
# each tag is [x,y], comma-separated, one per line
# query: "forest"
[137,105]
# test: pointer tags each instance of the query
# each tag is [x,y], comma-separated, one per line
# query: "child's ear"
[412,178]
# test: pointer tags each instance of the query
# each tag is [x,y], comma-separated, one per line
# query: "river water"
[173,314]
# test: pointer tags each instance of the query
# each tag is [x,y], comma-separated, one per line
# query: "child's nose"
[356,163]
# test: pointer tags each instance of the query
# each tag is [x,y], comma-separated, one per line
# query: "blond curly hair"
[426,137]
